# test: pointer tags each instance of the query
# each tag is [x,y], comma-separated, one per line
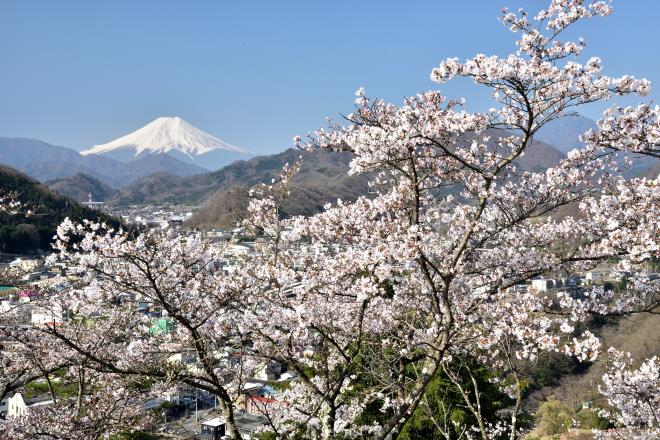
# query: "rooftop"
[214,422]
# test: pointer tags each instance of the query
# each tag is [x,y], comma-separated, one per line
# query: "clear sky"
[256,73]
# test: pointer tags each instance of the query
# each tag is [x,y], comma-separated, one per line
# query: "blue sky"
[256,73]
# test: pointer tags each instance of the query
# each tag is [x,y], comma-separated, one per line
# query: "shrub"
[553,417]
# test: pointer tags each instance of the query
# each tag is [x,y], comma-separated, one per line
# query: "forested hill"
[323,178]
[80,187]
[26,234]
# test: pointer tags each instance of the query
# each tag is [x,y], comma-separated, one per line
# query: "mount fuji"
[174,137]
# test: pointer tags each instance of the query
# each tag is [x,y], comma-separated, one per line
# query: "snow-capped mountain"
[175,137]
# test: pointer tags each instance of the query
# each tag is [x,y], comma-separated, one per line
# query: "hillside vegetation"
[23,233]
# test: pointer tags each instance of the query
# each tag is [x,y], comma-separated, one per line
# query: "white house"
[50,314]
[17,407]
[543,284]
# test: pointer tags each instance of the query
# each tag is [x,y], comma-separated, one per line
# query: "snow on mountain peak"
[163,135]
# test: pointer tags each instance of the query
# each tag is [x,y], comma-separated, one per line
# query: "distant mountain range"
[45,162]
[156,164]
[564,133]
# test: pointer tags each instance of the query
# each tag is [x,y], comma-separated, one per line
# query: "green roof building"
[161,326]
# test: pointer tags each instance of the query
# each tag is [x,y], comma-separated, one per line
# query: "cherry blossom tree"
[368,301]
[634,394]
[11,205]
[14,371]
[446,268]
[93,415]
[105,332]
[629,129]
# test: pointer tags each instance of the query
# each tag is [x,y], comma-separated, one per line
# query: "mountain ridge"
[46,162]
